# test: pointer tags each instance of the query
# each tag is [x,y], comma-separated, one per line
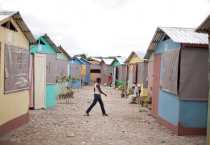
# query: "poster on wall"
[16,69]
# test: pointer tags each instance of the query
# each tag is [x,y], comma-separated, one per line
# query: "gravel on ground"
[127,124]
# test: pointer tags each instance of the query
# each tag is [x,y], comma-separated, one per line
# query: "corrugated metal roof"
[185,35]
[178,35]
[205,26]
[108,61]
[18,19]
[121,60]
[84,60]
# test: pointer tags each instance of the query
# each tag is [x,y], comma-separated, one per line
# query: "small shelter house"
[178,79]
[45,73]
[132,62]
[119,72]
[15,40]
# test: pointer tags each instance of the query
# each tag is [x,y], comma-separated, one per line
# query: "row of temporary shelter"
[174,73]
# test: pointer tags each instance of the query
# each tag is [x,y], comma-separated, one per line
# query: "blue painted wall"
[76,84]
[166,45]
[168,104]
[193,113]
[87,76]
[168,107]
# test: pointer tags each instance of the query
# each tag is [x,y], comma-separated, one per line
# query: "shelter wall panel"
[168,107]
[156,83]
[143,73]
[150,77]
[135,69]
[75,71]
[130,75]
[169,71]
[62,68]
[194,74]
[51,69]
[122,72]
[17,61]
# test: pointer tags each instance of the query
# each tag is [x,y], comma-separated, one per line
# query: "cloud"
[106,27]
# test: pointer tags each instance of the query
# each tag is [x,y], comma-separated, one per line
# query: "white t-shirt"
[96,89]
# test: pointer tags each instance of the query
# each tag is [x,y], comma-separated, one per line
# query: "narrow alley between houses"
[127,124]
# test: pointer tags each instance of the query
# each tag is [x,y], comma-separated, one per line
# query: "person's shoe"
[86,114]
[105,114]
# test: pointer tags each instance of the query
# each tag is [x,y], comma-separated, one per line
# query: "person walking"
[97,98]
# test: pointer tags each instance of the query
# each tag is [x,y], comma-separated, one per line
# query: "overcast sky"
[106,27]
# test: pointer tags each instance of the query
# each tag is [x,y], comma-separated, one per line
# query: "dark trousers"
[97,98]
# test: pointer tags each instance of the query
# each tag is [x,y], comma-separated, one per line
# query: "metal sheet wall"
[75,71]
[122,72]
[51,69]
[143,73]
[62,68]
[16,68]
[194,74]
[150,76]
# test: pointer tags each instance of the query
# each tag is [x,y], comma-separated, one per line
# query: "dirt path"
[66,125]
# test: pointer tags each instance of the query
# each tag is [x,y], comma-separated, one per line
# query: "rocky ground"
[66,125]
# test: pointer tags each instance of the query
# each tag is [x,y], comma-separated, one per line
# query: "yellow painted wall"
[135,59]
[16,104]
[83,70]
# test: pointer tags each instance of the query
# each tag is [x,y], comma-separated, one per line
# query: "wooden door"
[39,80]
[156,83]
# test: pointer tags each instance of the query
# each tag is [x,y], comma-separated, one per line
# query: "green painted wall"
[40,48]
[120,83]
[62,56]
[115,63]
[51,95]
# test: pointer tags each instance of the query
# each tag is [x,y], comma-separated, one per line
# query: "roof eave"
[26,31]
[204,26]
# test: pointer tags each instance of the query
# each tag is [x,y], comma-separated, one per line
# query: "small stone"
[70,135]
